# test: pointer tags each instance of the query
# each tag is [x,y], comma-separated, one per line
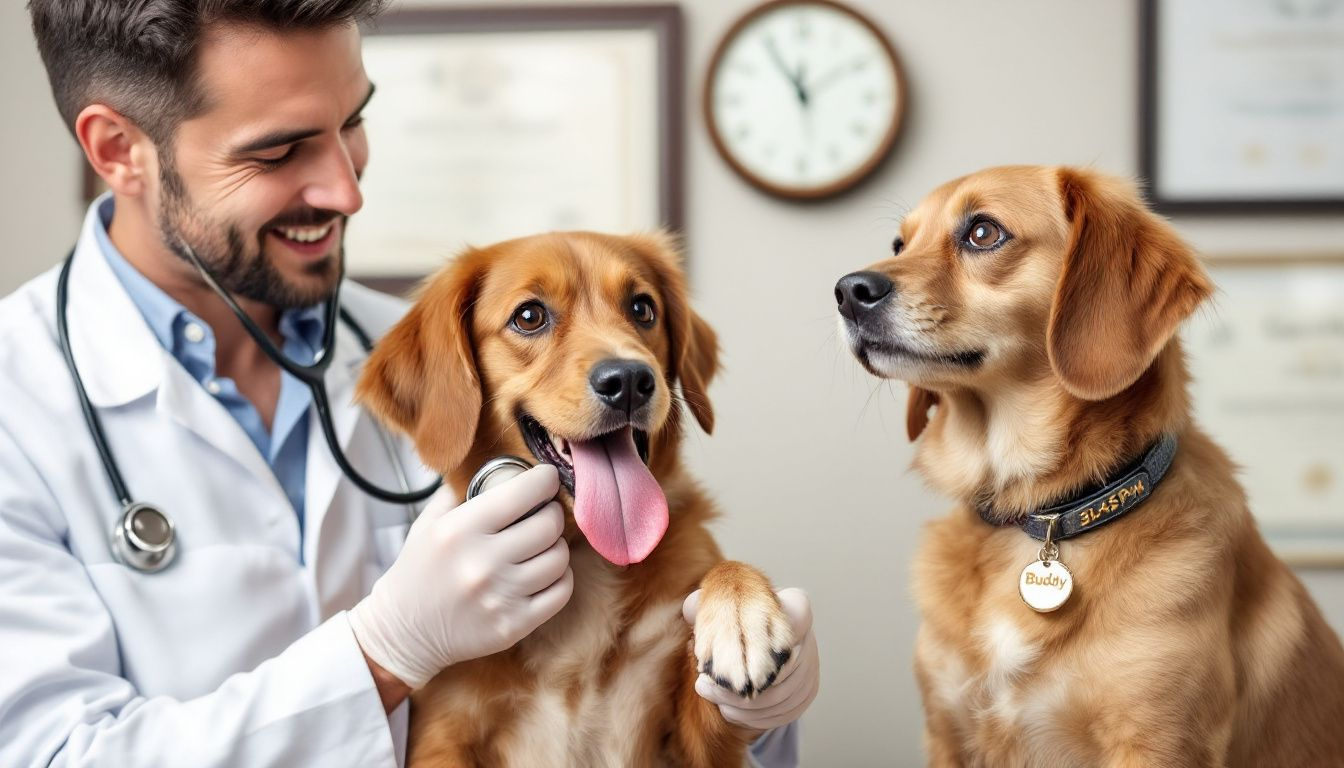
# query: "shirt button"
[212,386]
[194,333]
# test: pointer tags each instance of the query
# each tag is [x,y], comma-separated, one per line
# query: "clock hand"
[784,70]
[834,74]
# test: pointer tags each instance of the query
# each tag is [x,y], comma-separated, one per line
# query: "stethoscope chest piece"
[496,471]
[144,538]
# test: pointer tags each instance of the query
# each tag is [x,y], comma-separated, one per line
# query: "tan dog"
[568,348]
[1036,308]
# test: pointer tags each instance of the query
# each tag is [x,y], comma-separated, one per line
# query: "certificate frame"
[552,25]
[1219,150]
[1267,363]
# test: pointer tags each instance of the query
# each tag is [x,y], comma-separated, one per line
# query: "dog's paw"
[742,635]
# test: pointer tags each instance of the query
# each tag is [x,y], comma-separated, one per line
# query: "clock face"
[804,98]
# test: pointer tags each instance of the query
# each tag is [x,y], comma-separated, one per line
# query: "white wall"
[810,458]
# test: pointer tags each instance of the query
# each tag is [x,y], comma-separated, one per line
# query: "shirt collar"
[158,308]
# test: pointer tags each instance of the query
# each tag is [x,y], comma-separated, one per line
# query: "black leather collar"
[1099,507]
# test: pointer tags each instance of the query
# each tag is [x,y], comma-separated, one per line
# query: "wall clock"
[804,98]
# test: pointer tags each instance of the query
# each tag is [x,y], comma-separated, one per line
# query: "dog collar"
[1099,507]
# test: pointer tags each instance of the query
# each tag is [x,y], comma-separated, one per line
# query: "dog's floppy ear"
[694,345]
[1127,282]
[917,405]
[699,359]
[421,378]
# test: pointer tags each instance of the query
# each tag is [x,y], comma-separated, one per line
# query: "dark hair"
[139,56]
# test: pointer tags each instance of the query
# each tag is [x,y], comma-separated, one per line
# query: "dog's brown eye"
[984,234]
[641,309]
[530,317]
[897,246]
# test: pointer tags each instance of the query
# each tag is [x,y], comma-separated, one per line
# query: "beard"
[240,266]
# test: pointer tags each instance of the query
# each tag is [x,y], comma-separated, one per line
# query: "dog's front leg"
[741,639]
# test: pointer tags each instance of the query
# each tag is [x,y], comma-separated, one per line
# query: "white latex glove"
[468,583]
[794,688]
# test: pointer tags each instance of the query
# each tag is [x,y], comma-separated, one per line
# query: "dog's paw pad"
[742,641]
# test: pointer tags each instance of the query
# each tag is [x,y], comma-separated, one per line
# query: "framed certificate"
[497,122]
[1242,105]
[1267,358]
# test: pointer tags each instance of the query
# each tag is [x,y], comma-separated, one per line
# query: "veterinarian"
[264,610]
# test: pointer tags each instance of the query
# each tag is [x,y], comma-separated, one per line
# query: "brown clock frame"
[839,186]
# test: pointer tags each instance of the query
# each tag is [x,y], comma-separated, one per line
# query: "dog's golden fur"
[1186,642]
[609,681]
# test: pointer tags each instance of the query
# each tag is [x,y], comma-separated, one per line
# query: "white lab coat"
[236,654]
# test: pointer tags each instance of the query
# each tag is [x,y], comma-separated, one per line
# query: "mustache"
[306,217]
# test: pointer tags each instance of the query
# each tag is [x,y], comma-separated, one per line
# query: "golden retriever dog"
[1034,311]
[570,348]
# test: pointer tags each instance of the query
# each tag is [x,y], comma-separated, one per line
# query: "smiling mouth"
[865,348]
[556,451]
[315,240]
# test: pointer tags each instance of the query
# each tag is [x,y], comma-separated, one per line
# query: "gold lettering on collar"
[1115,501]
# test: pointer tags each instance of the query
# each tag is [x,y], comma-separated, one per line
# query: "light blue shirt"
[192,343]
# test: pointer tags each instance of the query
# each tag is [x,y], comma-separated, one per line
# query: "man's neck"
[134,235]
[237,356]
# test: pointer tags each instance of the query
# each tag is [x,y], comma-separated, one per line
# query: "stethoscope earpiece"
[144,538]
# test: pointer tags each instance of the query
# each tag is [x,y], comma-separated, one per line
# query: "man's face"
[260,183]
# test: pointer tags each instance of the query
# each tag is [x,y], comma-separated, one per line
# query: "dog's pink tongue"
[617,503]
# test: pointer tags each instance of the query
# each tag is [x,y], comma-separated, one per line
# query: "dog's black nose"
[859,292]
[623,384]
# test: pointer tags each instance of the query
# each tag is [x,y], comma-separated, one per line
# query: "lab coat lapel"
[119,358]
[186,402]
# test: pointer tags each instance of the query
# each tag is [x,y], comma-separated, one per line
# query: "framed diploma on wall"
[1242,105]
[1267,357]
[496,122]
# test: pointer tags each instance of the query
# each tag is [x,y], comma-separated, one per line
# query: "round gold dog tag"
[1045,585]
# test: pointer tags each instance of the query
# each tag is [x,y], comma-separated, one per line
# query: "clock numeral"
[858,129]
[870,96]
[833,152]
[742,132]
[731,100]
[801,165]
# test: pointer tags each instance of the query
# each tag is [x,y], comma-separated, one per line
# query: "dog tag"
[1045,585]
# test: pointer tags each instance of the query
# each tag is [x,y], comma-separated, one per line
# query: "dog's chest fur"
[985,664]
[591,687]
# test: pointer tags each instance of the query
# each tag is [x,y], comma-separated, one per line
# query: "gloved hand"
[468,583]
[794,688]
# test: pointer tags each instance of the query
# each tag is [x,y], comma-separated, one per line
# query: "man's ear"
[1128,280]
[119,152]
[421,378]
[694,347]
[917,405]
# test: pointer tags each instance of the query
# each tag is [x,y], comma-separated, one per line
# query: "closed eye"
[271,163]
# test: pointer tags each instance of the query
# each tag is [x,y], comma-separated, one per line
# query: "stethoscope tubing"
[90,415]
[314,376]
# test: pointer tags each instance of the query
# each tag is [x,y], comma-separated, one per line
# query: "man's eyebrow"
[283,137]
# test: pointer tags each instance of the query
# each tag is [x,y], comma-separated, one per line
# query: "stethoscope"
[144,537]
